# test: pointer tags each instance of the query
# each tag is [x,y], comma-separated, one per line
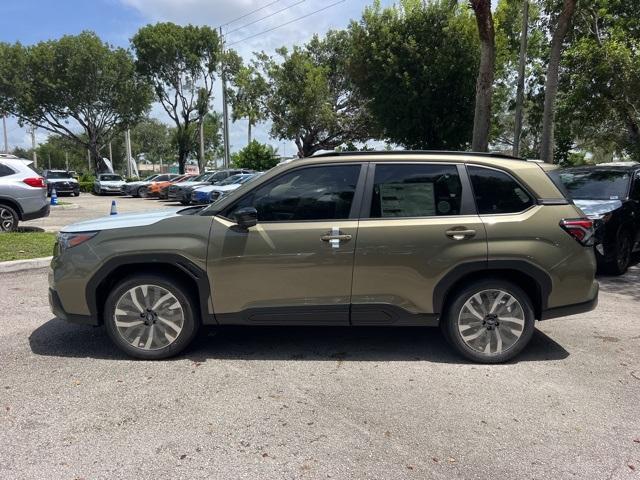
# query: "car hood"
[59,180]
[139,219]
[111,183]
[190,184]
[596,208]
[218,188]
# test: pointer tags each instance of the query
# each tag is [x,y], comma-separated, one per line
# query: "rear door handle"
[460,234]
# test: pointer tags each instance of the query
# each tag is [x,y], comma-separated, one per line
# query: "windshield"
[149,178]
[58,175]
[594,184]
[110,178]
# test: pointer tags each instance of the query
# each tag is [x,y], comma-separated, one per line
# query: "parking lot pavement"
[319,402]
[88,206]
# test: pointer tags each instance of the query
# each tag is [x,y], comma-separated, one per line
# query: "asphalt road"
[288,403]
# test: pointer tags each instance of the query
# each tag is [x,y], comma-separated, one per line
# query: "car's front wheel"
[489,321]
[150,317]
[8,219]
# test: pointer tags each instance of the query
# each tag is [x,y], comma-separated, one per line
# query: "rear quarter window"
[497,192]
[5,170]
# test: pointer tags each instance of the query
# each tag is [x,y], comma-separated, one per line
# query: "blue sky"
[115,21]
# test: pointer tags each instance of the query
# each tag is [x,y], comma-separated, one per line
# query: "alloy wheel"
[491,322]
[7,220]
[149,317]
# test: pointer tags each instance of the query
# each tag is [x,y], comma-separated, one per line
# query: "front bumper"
[575,309]
[58,310]
[61,188]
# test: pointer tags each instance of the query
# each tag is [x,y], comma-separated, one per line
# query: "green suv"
[479,244]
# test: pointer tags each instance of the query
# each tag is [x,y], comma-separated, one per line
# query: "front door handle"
[339,237]
[460,233]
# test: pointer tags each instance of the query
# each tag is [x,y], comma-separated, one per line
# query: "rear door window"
[497,192]
[415,190]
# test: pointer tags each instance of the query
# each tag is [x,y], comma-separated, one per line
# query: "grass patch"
[22,245]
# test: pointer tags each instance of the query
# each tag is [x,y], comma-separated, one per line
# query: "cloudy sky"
[115,21]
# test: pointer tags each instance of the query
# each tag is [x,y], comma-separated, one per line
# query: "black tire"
[185,202]
[190,324]
[8,218]
[618,254]
[138,192]
[76,194]
[452,333]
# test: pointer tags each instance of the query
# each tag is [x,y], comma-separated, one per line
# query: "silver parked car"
[23,193]
[108,183]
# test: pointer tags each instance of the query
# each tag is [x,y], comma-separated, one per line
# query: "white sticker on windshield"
[613,197]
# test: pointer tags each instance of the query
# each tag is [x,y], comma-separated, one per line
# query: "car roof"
[15,161]
[616,167]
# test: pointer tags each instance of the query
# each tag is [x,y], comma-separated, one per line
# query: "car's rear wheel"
[8,218]
[150,317]
[489,321]
[618,259]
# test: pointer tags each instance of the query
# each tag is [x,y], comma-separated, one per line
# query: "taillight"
[581,229]
[37,182]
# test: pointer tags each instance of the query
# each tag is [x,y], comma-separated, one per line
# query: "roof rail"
[414,152]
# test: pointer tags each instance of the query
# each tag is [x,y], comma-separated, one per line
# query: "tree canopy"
[78,87]
[310,98]
[416,66]
[181,63]
[256,156]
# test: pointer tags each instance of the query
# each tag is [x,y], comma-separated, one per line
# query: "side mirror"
[246,217]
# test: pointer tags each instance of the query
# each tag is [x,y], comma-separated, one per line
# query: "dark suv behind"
[610,195]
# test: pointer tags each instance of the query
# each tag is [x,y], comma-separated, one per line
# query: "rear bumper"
[574,309]
[43,212]
[58,310]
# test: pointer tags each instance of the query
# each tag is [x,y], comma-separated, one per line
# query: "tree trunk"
[517,132]
[551,85]
[249,132]
[484,84]
[94,154]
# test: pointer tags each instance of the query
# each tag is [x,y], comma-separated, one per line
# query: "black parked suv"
[62,181]
[610,194]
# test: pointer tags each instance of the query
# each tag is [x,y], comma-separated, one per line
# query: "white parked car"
[108,183]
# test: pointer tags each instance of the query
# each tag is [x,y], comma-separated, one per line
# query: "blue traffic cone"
[113,208]
[54,197]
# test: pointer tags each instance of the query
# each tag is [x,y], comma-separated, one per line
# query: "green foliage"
[311,99]
[78,87]
[256,156]
[86,187]
[508,23]
[152,139]
[416,65]
[181,63]
[247,96]
[601,100]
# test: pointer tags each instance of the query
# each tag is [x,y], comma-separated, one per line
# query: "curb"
[20,265]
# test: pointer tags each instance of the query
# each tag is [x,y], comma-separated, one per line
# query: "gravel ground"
[88,206]
[288,403]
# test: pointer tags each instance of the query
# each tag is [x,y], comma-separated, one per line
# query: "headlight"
[70,240]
